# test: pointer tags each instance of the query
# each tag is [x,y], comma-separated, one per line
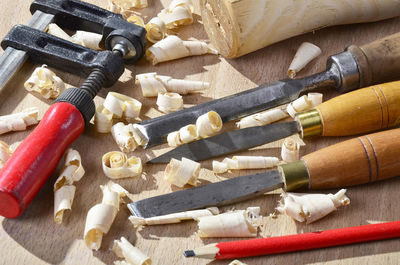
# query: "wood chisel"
[360,160]
[361,111]
[357,67]
[37,156]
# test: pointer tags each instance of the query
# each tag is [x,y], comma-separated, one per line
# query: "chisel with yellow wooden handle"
[361,111]
[356,161]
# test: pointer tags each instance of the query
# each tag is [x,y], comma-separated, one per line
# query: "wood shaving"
[172,47]
[55,30]
[262,118]
[240,223]
[132,255]
[169,102]
[45,82]
[120,6]
[101,216]
[90,40]
[237,262]
[290,151]
[151,84]
[19,121]
[103,120]
[122,106]
[208,124]
[117,165]
[64,191]
[173,218]
[244,162]
[305,54]
[182,172]
[178,13]
[155,30]
[311,207]
[304,103]
[5,153]
[137,20]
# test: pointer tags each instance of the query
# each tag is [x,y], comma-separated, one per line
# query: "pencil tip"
[189,253]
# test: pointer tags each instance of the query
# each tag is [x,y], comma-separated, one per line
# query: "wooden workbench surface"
[34,238]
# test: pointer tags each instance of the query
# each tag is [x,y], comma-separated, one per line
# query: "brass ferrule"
[311,123]
[295,175]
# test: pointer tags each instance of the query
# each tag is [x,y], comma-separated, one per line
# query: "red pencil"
[282,244]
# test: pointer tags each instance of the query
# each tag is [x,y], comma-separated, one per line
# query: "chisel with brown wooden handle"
[357,67]
[361,111]
[357,161]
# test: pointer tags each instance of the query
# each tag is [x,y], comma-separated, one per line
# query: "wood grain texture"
[376,60]
[361,111]
[361,160]
[35,239]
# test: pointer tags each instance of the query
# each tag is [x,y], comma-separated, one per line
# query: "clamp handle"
[36,158]
[79,15]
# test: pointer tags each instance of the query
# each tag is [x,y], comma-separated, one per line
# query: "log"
[238,27]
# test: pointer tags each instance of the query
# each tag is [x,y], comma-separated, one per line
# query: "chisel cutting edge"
[361,111]
[357,67]
[360,160]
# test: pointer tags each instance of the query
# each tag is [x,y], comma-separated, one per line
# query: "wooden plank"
[34,238]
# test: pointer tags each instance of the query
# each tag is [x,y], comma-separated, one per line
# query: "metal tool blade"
[230,142]
[154,131]
[214,194]
[12,59]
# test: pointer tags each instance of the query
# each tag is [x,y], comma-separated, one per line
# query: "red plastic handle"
[37,156]
[291,243]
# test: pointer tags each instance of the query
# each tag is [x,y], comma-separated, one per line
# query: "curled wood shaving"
[262,118]
[173,218]
[123,136]
[152,84]
[305,54]
[304,103]
[116,165]
[122,106]
[237,262]
[103,120]
[120,6]
[178,13]
[101,216]
[64,191]
[90,40]
[208,124]
[240,223]
[185,135]
[244,162]
[5,153]
[181,173]
[137,20]
[311,207]
[45,82]
[169,102]
[290,151]
[172,47]
[132,255]
[19,121]
[155,30]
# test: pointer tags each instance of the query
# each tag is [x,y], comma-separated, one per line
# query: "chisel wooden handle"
[378,61]
[365,110]
[364,159]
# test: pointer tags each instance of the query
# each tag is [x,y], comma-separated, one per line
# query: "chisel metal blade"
[214,194]
[230,142]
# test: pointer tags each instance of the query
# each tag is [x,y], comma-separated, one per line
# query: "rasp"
[357,67]
[356,161]
[361,111]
